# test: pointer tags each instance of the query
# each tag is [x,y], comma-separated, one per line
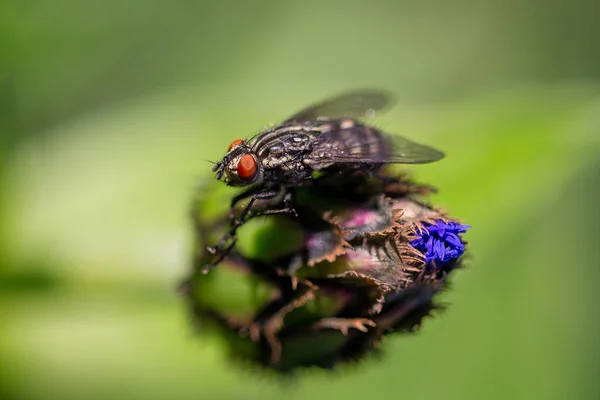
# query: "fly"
[325,137]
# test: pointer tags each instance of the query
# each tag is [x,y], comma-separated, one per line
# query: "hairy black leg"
[250,193]
[263,195]
[288,207]
[222,249]
[288,202]
[202,227]
[236,223]
[223,253]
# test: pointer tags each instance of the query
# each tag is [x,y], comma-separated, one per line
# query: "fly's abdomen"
[361,141]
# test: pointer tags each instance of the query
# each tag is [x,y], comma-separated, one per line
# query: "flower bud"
[353,266]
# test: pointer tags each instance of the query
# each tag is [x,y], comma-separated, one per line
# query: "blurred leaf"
[108,109]
[104,203]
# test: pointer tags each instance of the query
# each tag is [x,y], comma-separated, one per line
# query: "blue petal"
[429,245]
[417,242]
[440,249]
[463,228]
[454,240]
[452,253]
[440,241]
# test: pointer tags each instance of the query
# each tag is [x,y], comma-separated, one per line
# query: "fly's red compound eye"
[235,143]
[246,168]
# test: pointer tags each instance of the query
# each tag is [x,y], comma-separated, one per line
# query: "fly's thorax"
[288,138]
[281,149]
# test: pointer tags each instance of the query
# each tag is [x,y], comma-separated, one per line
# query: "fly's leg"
[227,242]
[202,228]
[245,215]
[263,195]
[288,207]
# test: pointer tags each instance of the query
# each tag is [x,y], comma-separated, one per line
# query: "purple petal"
[440,249]
[429,245]
[454,240]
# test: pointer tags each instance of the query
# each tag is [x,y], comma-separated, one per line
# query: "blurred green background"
[108,111]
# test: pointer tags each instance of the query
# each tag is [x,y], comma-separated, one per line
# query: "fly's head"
[240,166]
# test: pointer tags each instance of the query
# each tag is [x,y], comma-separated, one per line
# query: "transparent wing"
[404,151]
[357,104]
[388,149]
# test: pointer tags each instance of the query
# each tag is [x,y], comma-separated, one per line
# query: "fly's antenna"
[219,168]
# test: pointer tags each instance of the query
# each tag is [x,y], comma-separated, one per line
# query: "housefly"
[326,137]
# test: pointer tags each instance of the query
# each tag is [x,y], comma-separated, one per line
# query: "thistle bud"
[363,258]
